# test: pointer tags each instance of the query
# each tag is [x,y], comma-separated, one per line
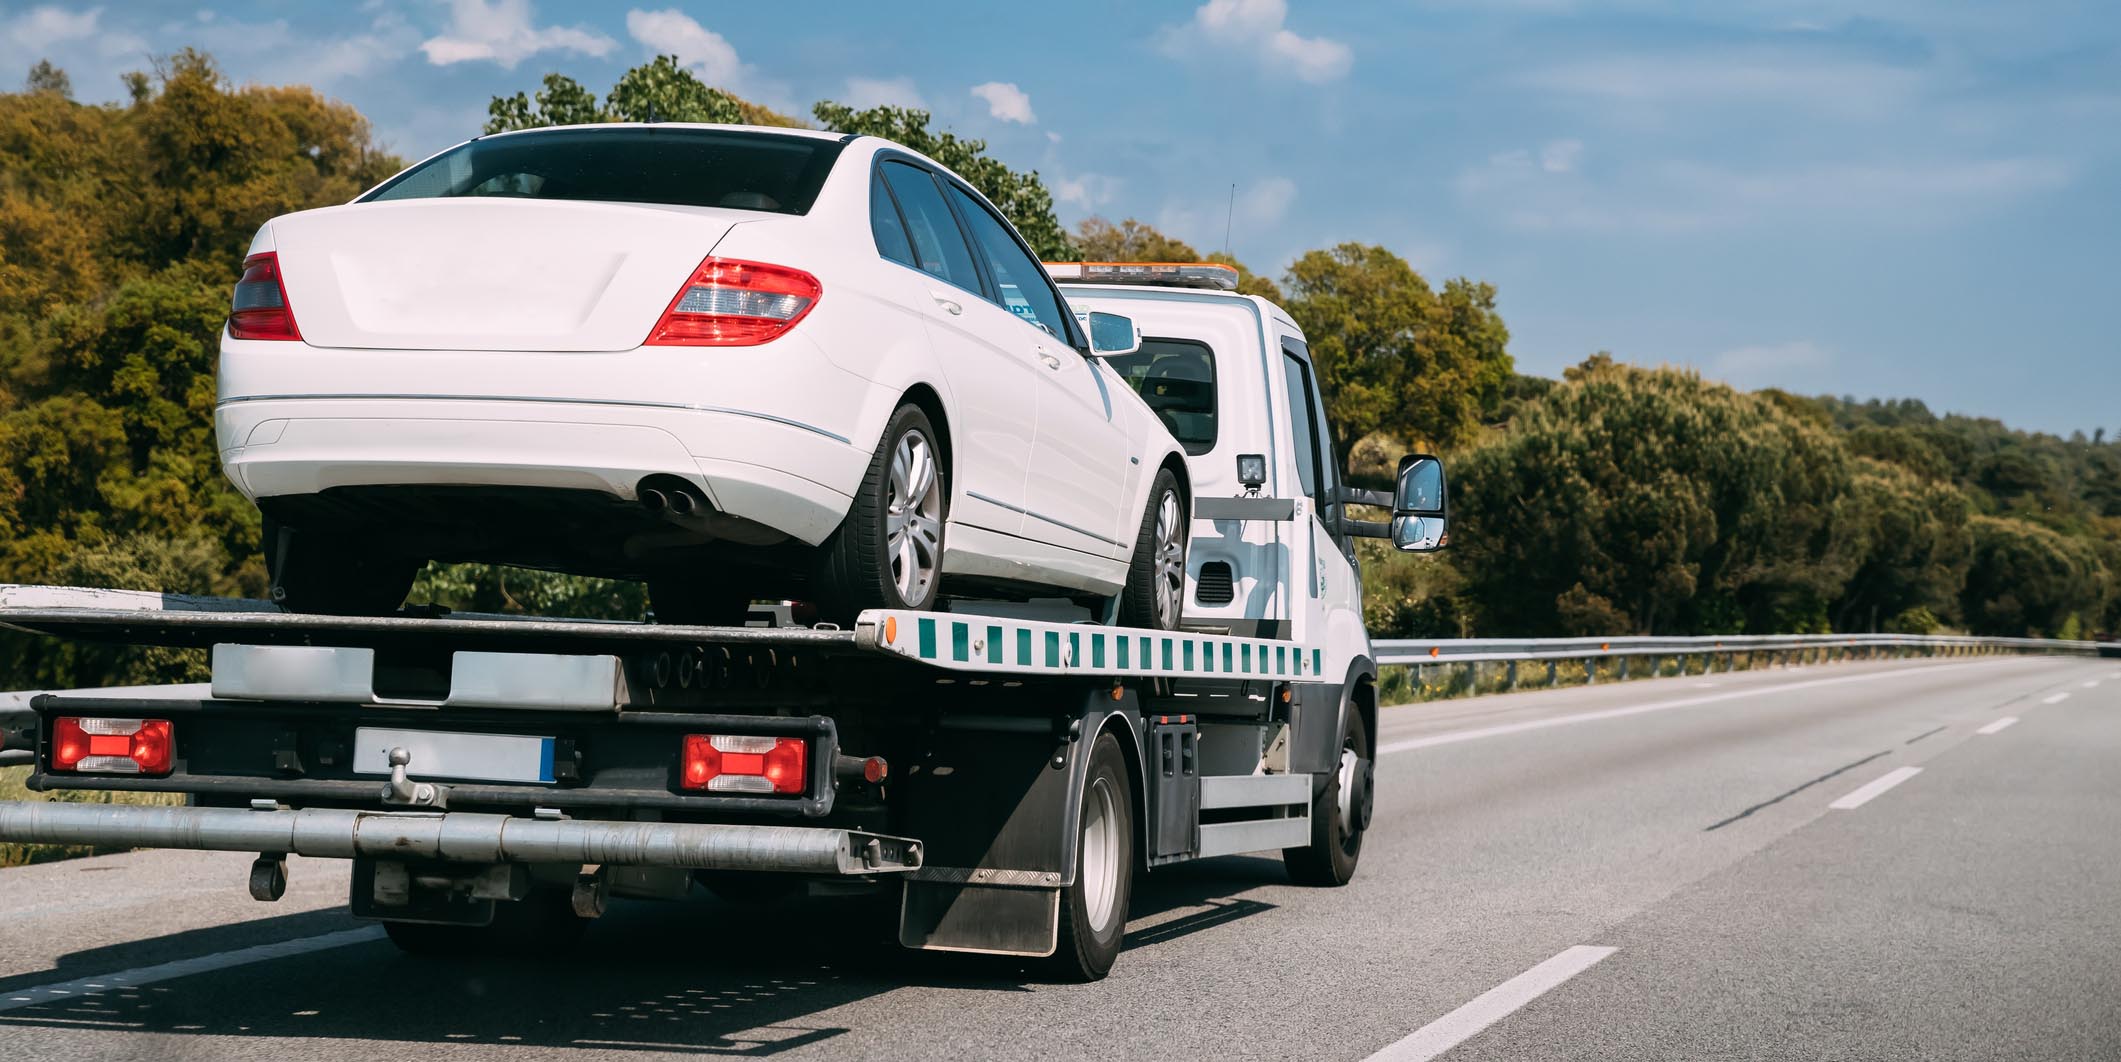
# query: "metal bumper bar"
[461,837]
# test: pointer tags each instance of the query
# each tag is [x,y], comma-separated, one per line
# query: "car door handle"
[1051,361]
[949,305]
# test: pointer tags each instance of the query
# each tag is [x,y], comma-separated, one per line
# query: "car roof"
[779,130]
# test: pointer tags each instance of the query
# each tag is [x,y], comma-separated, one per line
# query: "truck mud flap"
[984,919]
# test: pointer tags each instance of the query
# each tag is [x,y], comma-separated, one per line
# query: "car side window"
[1022,286]
[938,244]
[886,225]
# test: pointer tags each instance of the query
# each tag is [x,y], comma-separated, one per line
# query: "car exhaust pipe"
[463,837]
[653,500]
[683,504]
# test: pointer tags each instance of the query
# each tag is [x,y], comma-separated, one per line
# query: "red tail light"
[112,746]
[260,309]
[731,303]
[742,763]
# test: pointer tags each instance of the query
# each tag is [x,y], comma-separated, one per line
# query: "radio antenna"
[1229,213]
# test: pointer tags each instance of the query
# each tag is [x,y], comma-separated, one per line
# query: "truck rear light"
[260,309]
[111,746]
[733,303]
[745,763]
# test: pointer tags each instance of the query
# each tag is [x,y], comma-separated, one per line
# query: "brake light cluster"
[733,303]
[112,746]
[259,309]
[745,763]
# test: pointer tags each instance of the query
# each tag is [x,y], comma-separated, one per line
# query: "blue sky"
[1884,198]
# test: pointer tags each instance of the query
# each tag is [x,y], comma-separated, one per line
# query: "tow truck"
[495,781]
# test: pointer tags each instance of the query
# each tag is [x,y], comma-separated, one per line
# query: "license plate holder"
[440,755]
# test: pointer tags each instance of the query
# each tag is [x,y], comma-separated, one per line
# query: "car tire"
[1155,594]
[1338,825]
[699,602]
[888,552]
[1093,910]
[321,574]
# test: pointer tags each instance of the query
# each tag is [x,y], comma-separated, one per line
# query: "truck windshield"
[676,166]
[1177,378]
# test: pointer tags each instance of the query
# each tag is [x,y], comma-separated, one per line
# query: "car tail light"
[732,303]
[260,309]
[742,763]
[112,746]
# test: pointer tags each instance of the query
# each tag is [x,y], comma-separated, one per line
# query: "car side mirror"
[1420,507]
[1111,334]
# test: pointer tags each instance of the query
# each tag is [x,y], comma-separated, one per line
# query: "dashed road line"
[1872,789]
[1491,1006]
[1780,797]
[89,987]
[2056,698]
[1998,725]
[2093,684]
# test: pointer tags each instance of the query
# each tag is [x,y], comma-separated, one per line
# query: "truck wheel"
[1340,813]
[542,923]
[888,553]
[1093,911]
[1155,594]
[320,574]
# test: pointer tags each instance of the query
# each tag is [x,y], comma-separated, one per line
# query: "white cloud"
[1718,80]
[1006,102]
[866,92]
[273,53]
[1088,191]
[1560,156]
[1265,202]
[41,27]
[504,32]
[672,32]
[1258,28]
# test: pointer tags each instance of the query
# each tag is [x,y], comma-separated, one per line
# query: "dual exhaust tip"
[678,502]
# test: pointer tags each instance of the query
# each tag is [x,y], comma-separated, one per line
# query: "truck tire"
[542,923]
[1340,813]
[1093,911]
[888,552]
[321,574]
[1155,595]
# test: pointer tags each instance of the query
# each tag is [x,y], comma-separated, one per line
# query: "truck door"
[1329,584]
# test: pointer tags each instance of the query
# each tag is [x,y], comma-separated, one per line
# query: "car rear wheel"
[323,574]
[1155,594]
[888,552]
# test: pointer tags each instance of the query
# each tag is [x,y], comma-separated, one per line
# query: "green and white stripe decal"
[1031,647]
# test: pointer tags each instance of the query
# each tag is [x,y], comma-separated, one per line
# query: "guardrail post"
[1553,674]
[1590,671]
[1512,671]
[1623,669]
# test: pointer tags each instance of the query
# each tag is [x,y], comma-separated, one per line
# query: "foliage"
[656,91]
[1650,501]
[2027,580]
[1390,351]
[1099,240]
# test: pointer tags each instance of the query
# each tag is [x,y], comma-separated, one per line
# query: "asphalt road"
[1841,862]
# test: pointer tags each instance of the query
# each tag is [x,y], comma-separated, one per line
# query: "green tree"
[1915,547]
[1099,240]
[1394,354]
[2026,580]
[656,91]
[1020,195]
[1632,500]
[46,78]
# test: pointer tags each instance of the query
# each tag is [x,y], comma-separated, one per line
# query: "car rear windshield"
[1177,378]
[680,167]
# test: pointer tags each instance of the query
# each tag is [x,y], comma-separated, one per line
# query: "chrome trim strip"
[687,406]
[1042,516]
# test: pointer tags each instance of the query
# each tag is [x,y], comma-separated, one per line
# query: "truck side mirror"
[1111,334]
[1420,508]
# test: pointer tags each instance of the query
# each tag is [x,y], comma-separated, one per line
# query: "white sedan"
[732,362]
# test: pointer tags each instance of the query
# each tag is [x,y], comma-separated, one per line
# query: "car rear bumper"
[274,446]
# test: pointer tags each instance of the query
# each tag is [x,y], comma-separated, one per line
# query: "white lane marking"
[1997,725]
[2056,699]
[2092,685]
[1491,1006]
[89,987]
[1878,785]
[1456,736]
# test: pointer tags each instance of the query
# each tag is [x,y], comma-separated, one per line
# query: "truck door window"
[1176,377]
[1020,283]
[886,225]
[1303,423]
[937,241]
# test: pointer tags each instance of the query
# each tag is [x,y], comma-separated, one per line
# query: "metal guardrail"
[1415,652]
